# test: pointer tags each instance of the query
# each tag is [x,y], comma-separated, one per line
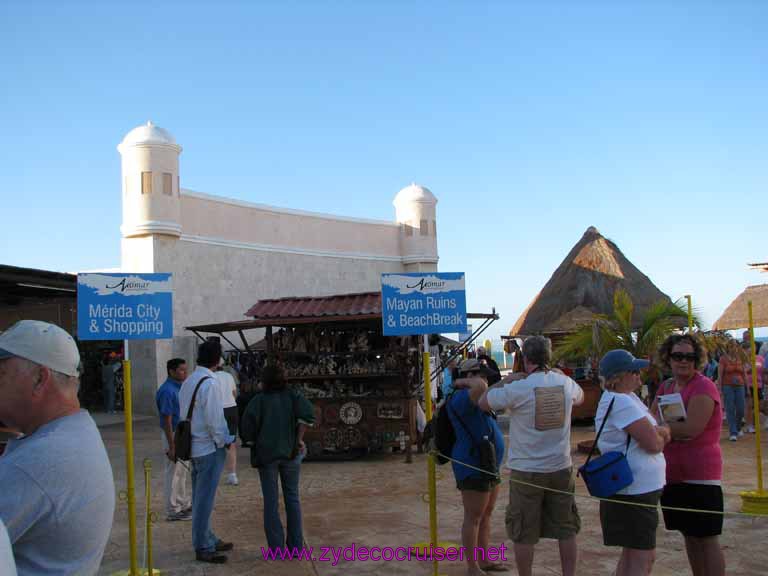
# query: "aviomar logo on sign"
[423,303]
[126,285]
[124,306]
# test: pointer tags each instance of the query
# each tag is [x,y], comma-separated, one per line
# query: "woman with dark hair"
[694,460]
[479,490]
[274,423]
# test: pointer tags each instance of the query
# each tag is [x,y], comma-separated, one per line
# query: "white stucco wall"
[214,283]
[204,216]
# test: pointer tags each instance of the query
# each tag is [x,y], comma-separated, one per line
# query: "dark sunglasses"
[683,356]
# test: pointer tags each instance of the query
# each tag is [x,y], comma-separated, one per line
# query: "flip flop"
[496,567]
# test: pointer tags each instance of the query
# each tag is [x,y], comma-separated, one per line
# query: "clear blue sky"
[529,121]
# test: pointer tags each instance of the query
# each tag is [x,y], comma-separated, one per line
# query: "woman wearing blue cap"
[630,428]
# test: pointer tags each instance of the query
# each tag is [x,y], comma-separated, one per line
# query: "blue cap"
[617,361]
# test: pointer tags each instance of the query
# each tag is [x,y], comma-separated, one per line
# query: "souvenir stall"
[363,385]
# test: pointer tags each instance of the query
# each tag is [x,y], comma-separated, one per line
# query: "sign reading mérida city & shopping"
[423,303]
[124,306]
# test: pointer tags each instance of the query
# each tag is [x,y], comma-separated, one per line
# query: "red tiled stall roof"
[343,308]
[363,305]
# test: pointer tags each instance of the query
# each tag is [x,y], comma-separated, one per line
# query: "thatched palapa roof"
[583,285]
[736,316]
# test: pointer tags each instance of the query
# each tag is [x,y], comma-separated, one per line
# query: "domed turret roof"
[415,193]
[149,134]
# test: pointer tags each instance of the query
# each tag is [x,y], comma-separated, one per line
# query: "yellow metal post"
[430,459]
[134,569]
[690,313]
[755,401]
[755,502]
[148,512]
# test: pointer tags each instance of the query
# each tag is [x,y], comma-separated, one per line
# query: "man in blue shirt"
[178,501]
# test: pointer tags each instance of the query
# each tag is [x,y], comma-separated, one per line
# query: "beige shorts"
[534,512]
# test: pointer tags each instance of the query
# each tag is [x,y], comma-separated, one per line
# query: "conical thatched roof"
[583,285]
[736,316]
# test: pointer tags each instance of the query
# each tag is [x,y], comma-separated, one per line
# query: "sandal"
[495,567]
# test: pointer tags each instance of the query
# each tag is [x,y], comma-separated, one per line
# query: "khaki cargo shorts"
[535,513]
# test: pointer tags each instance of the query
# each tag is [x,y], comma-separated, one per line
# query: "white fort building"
[226,254]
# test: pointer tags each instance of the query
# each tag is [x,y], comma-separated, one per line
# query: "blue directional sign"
[423,303]
[124,306]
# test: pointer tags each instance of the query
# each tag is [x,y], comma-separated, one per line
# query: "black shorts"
[479,483]
[231,416]
[700,497]
[631,526]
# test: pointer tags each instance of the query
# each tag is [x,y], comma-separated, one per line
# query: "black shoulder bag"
[182,436]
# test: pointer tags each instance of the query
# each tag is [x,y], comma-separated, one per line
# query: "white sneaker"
[751,429]
[733,438]
[232,480]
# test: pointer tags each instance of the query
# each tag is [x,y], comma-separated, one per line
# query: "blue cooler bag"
[609,473]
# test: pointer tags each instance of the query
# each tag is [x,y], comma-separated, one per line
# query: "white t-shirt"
[648,470]
[540,420]
[227,389]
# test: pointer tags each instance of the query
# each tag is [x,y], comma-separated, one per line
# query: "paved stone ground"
[378,502]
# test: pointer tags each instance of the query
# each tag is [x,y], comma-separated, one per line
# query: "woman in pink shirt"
[694,460]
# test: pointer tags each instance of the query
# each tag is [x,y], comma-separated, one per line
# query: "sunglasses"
[683,356]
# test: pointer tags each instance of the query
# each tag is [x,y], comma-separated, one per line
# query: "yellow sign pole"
[134,569]
[755,502]
[690,313]
[431,480]
[149,516]
[755,401]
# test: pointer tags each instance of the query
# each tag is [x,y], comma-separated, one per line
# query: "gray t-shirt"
[58,497]
[7,564]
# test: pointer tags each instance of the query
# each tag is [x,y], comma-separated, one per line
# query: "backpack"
[182,436]
[439,433]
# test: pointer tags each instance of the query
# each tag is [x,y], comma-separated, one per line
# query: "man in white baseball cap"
[58,497]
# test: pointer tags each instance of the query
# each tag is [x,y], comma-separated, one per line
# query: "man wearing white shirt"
[228,392]
[539,456]
[210,439]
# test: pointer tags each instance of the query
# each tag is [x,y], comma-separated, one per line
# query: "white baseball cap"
[42,343]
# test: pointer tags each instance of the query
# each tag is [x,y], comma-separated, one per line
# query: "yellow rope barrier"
[590,497]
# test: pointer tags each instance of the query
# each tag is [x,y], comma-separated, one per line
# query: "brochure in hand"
[671,408]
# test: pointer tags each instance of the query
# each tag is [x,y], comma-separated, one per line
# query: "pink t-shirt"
[699,458]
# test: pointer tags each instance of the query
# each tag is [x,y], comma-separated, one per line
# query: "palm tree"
[610,331]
